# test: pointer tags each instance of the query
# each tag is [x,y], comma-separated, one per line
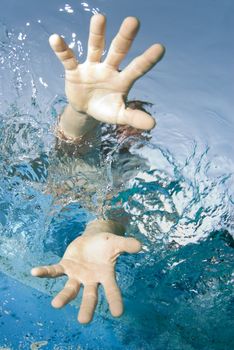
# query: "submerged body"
[97,92]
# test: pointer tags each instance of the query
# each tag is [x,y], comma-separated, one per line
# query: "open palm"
[99,88]
[89,261]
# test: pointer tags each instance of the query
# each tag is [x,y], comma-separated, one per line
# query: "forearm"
[75,125]
[98,226]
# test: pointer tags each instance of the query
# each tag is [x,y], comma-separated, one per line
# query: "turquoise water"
[177,186]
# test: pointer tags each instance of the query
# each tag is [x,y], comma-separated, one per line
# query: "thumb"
[136,118]
[128,245]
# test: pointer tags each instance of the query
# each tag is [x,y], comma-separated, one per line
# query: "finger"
[88,304]
[143,63]
[113,296]
[68,293]
[63,52]
[136,118]
[122,42]
[48,271]
[96,41]
[128,245]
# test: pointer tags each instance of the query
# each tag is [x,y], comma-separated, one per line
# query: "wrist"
[111,226]
[78,111]
[75,124]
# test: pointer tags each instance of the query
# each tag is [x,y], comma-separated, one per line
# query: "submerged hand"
[98,88]
[89,261]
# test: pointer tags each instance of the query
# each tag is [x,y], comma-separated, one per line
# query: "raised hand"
[98,88]
[89,261]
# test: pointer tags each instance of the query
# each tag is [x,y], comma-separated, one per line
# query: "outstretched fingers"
[48,271]
[88,304]
[113,296]
[63,52]
[122,42]
[96,41]
[143,63]
[68,293]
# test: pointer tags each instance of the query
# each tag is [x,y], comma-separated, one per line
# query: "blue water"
[178,291]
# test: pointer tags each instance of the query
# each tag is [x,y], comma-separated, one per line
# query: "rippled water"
[176,186]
